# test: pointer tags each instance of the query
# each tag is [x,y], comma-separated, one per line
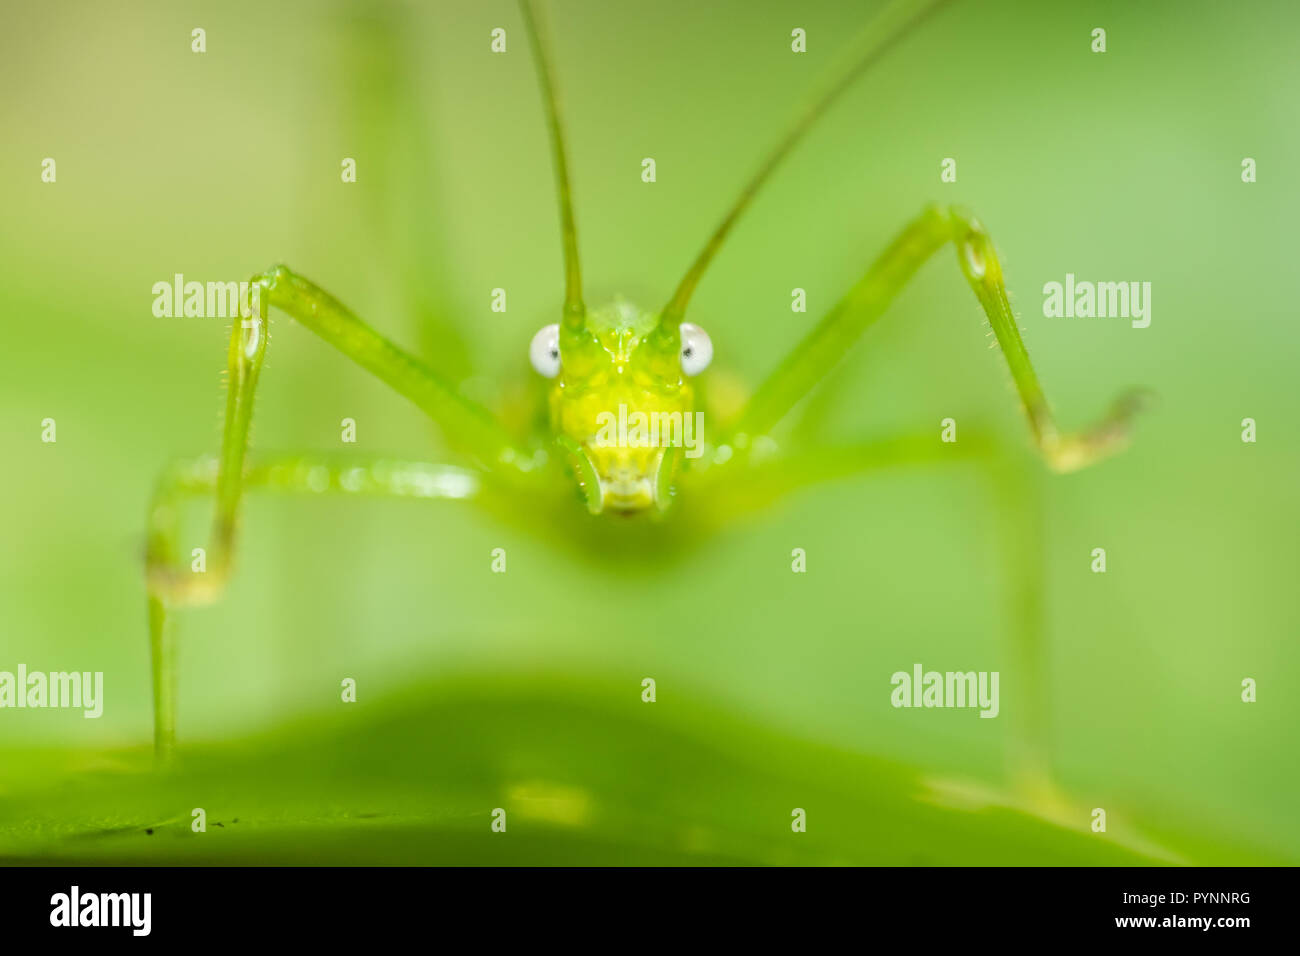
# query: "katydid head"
[623,359]
[622,405]
[622,402]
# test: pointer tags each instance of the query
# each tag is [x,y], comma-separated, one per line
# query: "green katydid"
[597,361]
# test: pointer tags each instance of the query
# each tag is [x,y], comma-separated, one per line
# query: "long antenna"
[575,312]
[880,36]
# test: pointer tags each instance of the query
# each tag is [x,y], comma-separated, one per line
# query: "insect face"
[622,404]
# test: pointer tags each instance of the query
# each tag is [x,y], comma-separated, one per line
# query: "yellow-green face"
[618,383]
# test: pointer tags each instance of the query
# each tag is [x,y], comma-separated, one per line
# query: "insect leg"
[468,425]
[866,302]
[171,585]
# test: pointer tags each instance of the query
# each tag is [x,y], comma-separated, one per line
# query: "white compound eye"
[544,351]
[697,349]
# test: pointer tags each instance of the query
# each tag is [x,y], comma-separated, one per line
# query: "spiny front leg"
[468,426]
[1064,451]
[867,301]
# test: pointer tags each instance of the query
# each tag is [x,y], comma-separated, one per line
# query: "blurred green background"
[1122,166]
